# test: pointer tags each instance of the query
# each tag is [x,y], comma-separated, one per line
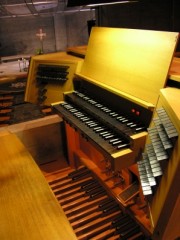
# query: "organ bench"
[28,207]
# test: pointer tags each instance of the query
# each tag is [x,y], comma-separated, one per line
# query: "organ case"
[49,76]
[117,86]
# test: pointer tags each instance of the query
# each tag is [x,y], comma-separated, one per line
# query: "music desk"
[28,208]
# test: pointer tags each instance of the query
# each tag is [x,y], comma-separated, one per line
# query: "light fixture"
[94,3]
[109,3]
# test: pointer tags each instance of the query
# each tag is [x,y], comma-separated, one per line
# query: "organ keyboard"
[115,130]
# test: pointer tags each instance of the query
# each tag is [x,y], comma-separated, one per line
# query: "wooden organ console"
[108,118]
[121,126]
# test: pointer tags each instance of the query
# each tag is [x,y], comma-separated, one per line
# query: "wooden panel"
[172,230]
[43,138]
[174,73]
[167,193]
[170,100]
[45,143]
[28,208]
[135,62]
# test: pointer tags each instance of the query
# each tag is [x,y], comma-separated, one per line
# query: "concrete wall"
[71,28]
[75,34]
[18,35]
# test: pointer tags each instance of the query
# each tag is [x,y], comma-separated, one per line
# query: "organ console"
[122,162]
[121,133]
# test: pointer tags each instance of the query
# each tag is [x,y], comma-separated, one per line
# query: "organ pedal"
[92,212]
